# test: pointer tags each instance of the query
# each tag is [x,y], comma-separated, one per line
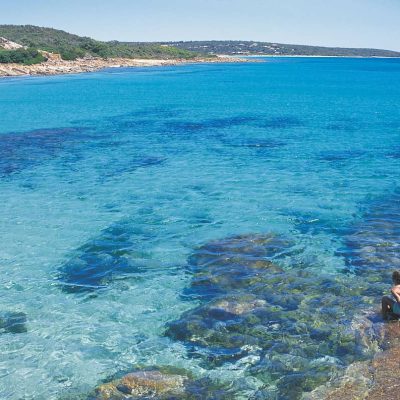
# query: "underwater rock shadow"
[182,127]
[343,124]
[151,119]
[13,322]
[19,151]
[120,167]
[314,223]
[395,153]
[260,144]
[341,156]
[281,122]
[257,121]
[116,252]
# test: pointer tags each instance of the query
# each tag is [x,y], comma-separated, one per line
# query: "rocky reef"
[300,333]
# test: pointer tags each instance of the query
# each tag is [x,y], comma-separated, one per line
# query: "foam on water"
[126,174]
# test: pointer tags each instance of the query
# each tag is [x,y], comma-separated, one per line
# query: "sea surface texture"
[219,231]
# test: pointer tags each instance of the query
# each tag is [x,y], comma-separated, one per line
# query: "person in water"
[391,304]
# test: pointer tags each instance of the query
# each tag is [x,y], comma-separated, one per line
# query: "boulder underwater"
[142,384]
[160,383]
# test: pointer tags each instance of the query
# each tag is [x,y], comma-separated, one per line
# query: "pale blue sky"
[346,23]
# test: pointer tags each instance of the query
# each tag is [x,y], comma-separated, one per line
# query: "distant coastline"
[255,48]
[27,50]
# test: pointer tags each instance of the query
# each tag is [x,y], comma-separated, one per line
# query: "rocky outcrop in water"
[296,322]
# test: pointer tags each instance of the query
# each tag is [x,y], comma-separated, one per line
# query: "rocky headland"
[56,66]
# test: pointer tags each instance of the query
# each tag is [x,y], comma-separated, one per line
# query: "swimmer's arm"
[396,292]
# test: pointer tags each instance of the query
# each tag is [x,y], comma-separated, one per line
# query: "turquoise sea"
[232,222]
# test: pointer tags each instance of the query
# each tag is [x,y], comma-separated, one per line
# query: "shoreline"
[56,66]
[61,67]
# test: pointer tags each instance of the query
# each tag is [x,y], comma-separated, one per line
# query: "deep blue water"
[132,198]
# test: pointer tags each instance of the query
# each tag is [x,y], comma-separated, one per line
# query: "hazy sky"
[347,23]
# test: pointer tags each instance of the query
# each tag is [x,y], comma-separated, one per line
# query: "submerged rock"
[223,266]
[161,384]
[238,307]
[142,384]
[13,322]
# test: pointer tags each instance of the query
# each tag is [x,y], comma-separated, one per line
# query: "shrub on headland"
[21,56]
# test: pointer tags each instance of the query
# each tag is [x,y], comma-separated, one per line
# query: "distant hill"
[71,47]
[276,49]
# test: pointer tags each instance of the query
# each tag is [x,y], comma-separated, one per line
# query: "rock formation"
[9,45]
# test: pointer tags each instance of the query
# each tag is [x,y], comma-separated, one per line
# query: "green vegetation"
[72,46]
[21,56]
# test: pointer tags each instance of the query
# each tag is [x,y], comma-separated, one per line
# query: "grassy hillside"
[277,49]
[72,46]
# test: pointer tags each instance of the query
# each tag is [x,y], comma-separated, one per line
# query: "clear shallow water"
[158,162]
